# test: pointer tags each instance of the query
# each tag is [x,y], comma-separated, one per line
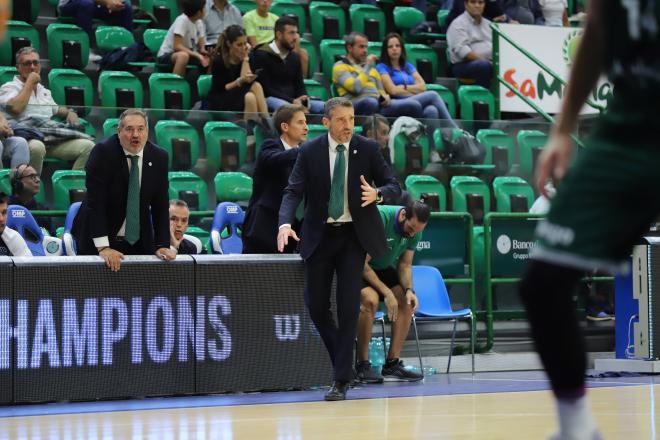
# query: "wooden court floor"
[623,412]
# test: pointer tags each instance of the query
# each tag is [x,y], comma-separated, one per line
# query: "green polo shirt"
[397,244]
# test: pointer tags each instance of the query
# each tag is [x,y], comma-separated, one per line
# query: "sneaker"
[365,374]
[394,370]
[599,316]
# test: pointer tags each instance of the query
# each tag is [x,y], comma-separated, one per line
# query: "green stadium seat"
[181,142]
[282,7]
[204,85]
[225,145]
[68,46]
[530,144]
[120,86]
[512,194]
[25,10]
[468,95]
[440,143]
[499,149]
[5,183]
[203,236]
[406,18]
[316,130]
[359,14]
[429,189]
[470,194]
[329,50]
[259,137]
[316,90]
[232,187]
[7,73]
[442,17]
[320,13]
[71,88]
[446,95]
[68,187]
[244,5]
[168,91]
[410,160]
[374,48]
[165,11]
[109,38]
[153,39]
[110,127]
[312,60]
[188,187]
[18,34]
[421,54]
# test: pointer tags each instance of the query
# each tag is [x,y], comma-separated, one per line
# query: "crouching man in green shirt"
[389,278]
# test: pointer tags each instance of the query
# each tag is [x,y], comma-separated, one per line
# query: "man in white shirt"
[220,14]
[470,44]
[11,242]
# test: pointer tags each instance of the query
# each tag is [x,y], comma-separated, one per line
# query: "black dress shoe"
[337,391]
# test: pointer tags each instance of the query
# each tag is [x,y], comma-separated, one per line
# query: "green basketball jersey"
[397,244]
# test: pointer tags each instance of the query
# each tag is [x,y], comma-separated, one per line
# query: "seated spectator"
[259,26]
[25,184]
[220,14]
[281,70]
[470,44]
[13,148]
[11,242]
[555,12]
[29,102]
[493,11]
[112,12]
[357,79]
[233,86]
[179,215]
[524,11]
[184,42]
[401,79]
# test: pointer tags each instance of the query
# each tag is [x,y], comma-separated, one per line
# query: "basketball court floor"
[498,405]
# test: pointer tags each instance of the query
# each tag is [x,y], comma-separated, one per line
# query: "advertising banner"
[512,240]
[443,246]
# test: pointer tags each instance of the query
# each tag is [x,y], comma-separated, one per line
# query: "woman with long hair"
[234,86]
[402,81]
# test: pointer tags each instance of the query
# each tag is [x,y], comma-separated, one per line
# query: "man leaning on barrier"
[125,211]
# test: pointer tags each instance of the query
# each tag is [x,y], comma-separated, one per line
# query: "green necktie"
[336,207]
[132,234]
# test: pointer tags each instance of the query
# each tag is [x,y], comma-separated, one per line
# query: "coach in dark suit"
[271,174]
[341,224]
[125,211]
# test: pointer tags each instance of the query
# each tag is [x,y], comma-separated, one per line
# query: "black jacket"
[280,78]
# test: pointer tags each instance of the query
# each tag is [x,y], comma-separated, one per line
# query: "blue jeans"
[479,70]
[16,150]
[433,107]
[316,106]
[398,107]
[84,11]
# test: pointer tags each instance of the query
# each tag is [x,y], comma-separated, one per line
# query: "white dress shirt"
[332,145]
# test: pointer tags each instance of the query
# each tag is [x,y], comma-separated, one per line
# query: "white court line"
[546,380]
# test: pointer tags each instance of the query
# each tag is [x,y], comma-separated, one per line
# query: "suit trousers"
[338,252]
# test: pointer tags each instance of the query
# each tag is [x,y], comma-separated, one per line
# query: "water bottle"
[376,356]
[430,371]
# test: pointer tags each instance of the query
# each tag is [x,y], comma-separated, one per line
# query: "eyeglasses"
[34,177]
[30,63]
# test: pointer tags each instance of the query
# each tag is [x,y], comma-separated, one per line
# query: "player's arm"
[372,279]
[404,269]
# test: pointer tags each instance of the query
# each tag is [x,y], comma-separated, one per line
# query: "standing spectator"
[11,242]
[220,14]
[179,216]
[25,185]
[271,174]
[356,78]
[281,70]
[401,80]
[184,42]
[234,87]
[470,44]
[341,225]
[25,97]
[13,148]
[125,211]
[555,12]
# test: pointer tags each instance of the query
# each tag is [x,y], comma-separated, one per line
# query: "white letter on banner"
[21,333]
[110,334]
[6,333]
[185,326]
[221,330]
[200,329]
[45,326]
[83,337]
[160,303]
[136,330]
[287,327]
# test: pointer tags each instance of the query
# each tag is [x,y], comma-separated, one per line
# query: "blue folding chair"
[68,243]
[434,305]
[21,220]
[227,229]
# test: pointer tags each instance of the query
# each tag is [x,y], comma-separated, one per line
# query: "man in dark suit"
[125,211]
[271,174]
[341,224]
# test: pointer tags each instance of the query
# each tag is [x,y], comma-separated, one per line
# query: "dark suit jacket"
[104,209]
[271,174]
[311,177]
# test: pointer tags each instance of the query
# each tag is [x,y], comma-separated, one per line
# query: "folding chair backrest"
[431,291]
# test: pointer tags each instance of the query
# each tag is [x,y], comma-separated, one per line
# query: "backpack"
[119,58]
[461,149]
